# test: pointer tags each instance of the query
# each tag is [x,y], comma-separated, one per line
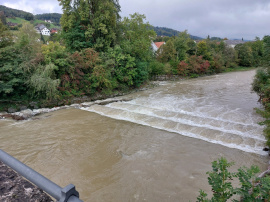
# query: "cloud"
[33,6]
[222,18]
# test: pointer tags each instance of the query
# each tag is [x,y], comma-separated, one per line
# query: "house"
[42,29]
[48,21]
[233,43]
[54,30]
[157,45]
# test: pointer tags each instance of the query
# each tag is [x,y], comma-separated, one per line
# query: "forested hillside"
[54,17]
[11,13]
[164,31]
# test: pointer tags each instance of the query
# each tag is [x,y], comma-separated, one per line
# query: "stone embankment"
[14,187]
[28,113]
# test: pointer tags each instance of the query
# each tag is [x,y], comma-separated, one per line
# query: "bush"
[261,85]
[156,68]
[251,187]
[182,68]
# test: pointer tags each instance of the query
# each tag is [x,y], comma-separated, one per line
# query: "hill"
[54,17]
[164,31]
[13,13]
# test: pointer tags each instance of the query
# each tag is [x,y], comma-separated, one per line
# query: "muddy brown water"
[155,147]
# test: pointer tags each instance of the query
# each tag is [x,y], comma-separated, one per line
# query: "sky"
[234,19]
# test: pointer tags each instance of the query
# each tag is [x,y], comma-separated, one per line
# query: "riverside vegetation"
[98,52]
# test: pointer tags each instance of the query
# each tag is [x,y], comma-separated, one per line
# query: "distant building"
[54,30]
[233,43]
[42,29]
[48,21]
[157,45]
[10,24]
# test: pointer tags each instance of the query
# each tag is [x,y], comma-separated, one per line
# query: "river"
[156,147]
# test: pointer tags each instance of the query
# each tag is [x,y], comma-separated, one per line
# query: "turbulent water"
[155,147]
[218,109]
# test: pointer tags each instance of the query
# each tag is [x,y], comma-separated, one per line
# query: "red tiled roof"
[158,44]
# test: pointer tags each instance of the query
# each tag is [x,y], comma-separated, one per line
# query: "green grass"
[36,21]
[16,20]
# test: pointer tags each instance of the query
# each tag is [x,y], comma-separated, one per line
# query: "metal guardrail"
[66,194]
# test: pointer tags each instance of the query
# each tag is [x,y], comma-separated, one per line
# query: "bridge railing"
[66,194]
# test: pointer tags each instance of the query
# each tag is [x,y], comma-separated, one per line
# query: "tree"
[29,16]
[3,17]
[244,53]
[6,37]
[204,50]
[181,45]
[89,23]
[257,51]
[167,52]
[137,37]
[266,50]
[28,41]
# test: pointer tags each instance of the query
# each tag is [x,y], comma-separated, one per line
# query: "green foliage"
[56,54]
[75,39]
[266,50]
[3,18]
[204,50]
[122,66]
[167,52]
[6,37]
[261,85]
[76,77]
[11,75]
[252,188]
[229,56]
[54,17]
[10,12]
[181,45]
[156,68]
[136,37]
[94,20]
[29,16]
[164,31]
[44,82]
[244,55]
[142,73]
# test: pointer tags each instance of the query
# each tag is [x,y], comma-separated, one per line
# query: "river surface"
[156,147]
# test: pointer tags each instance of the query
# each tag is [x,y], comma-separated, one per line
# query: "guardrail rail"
[66,194]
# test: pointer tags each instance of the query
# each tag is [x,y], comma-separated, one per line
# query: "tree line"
[97,51]
[185,57]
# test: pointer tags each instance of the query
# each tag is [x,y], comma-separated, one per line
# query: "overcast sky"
[222,18]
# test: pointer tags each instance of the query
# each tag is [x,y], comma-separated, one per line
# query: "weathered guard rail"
[66,194]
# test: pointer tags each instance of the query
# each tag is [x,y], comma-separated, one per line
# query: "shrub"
[251,187]
[156,68]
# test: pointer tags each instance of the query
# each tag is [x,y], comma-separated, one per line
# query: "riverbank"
[21,110]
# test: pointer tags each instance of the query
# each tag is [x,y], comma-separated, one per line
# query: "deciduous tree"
[89,23]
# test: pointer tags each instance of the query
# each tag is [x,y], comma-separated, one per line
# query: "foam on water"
[217,109]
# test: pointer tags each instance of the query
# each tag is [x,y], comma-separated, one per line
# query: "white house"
[43,30]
